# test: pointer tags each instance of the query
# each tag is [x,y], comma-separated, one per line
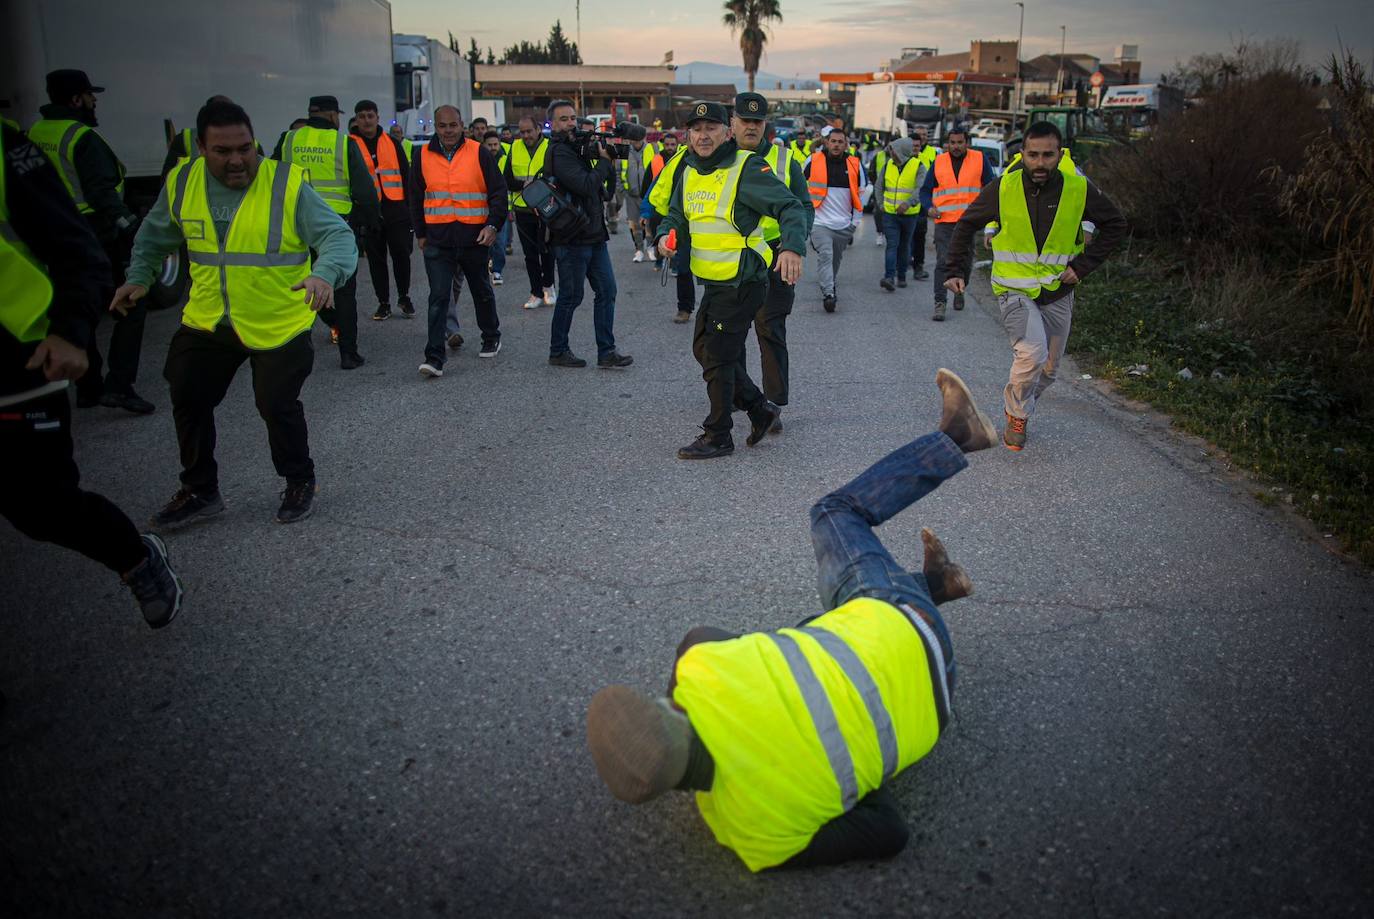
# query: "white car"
[991,128]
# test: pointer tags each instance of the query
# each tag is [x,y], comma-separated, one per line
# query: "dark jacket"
[760,193]
[586,185]
[927,191]
[100,173]
[366,215]
[45,218]
[1041,202]
[456,233]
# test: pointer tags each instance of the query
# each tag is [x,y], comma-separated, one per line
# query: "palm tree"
[750,19]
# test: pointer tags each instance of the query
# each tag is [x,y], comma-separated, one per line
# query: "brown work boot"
[960,419]
[947,581]
[939,314]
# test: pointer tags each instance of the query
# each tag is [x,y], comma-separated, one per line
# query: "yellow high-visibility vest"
[708,201]
[1017,265]
[58,137]
[323,154]
[662,192]
[899,185]
[801,724]
[25,290]
[246,278]
[525,165]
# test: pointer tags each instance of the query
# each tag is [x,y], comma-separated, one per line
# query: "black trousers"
[718,344]
[40,493]
[201,365]
[126,341]
[394,238]
[444,265]
[538,254]
[344,314]
[770,327]
[918,244]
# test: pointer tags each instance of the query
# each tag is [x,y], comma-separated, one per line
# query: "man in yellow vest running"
[53,282]
[718,210]
[787,737]
[249,225]
[94,177]
[1038,257]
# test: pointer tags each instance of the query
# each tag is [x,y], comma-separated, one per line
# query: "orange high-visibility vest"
[818,183]
[953,195]
[386,174]
[656,164]
[456,189]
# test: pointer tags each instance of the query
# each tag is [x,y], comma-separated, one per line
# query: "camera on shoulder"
[589,143]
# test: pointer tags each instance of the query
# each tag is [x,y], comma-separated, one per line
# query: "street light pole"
[580,107]
[1020,31]
[1059,78]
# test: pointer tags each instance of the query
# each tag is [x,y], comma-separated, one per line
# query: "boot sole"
[989,430]
[160,526]
[704,456]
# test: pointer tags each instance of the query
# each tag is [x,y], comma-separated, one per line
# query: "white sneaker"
[550,296]
[639,256]
[496,279]
[878,241]
[429,370]
[534,302]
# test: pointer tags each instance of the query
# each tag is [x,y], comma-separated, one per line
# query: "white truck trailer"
[897,109]
[428,74]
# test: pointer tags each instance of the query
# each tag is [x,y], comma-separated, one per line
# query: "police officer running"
[94,177]
[335,168]
[249,225]
[717,211]
[749,125]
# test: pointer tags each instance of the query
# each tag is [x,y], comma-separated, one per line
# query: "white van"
[994,150]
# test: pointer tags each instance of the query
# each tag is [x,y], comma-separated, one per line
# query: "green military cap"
[708,111]
[751,106]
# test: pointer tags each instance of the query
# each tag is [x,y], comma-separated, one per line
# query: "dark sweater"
[45,218]
[456,233]
[1042,202]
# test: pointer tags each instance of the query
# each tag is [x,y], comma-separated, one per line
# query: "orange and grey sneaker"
[333,335]
[1014,436]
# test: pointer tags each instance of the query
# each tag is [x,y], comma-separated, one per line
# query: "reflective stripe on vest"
[953,194]
[57,138]
[323,154]
[25,290]
[456,189]
[1017,265]
[525,165]
[780,165]
[646,154]
[899,185]
[818,182]
[662,192]
[386,172]
[802,723]
[708,201]
[244,278]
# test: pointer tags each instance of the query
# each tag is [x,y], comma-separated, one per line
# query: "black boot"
[707,447]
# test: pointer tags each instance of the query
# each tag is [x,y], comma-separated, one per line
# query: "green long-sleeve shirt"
[318,225]
[760,193]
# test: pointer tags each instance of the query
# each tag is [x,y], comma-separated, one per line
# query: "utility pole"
[1020,31]
[580,109]
[1059,78]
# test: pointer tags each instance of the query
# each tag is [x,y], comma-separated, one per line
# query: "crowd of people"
[273,244]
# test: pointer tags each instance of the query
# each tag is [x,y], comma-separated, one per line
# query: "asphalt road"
[1164,697]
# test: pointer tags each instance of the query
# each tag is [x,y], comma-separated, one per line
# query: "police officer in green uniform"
[94,177]
[749,124]
[717,208]
[336,170]
[788,737]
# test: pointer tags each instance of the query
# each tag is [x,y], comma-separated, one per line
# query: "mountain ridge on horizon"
[711,72]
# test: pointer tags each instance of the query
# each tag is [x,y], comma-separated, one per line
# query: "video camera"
[615,140]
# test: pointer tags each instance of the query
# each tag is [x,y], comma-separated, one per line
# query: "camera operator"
[582,253]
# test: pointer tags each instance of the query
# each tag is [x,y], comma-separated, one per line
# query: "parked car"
[995,151]
[991,128]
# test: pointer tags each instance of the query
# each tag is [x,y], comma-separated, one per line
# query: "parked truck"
[1135,110]
[897,109]
[428,74]
[159,60]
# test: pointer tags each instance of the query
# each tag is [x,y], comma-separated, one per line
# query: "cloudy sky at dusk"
[855,35]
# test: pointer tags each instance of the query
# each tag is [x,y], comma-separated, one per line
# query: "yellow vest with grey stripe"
[1018,266]
[780,164]
[899,185]
[803,723]
[25,290]
[58,137]
[662,192]
[708,201]
[323,154]
[245,279]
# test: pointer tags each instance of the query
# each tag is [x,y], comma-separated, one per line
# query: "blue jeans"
[850,559]
[498,249]
[897,231]
[575,265]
